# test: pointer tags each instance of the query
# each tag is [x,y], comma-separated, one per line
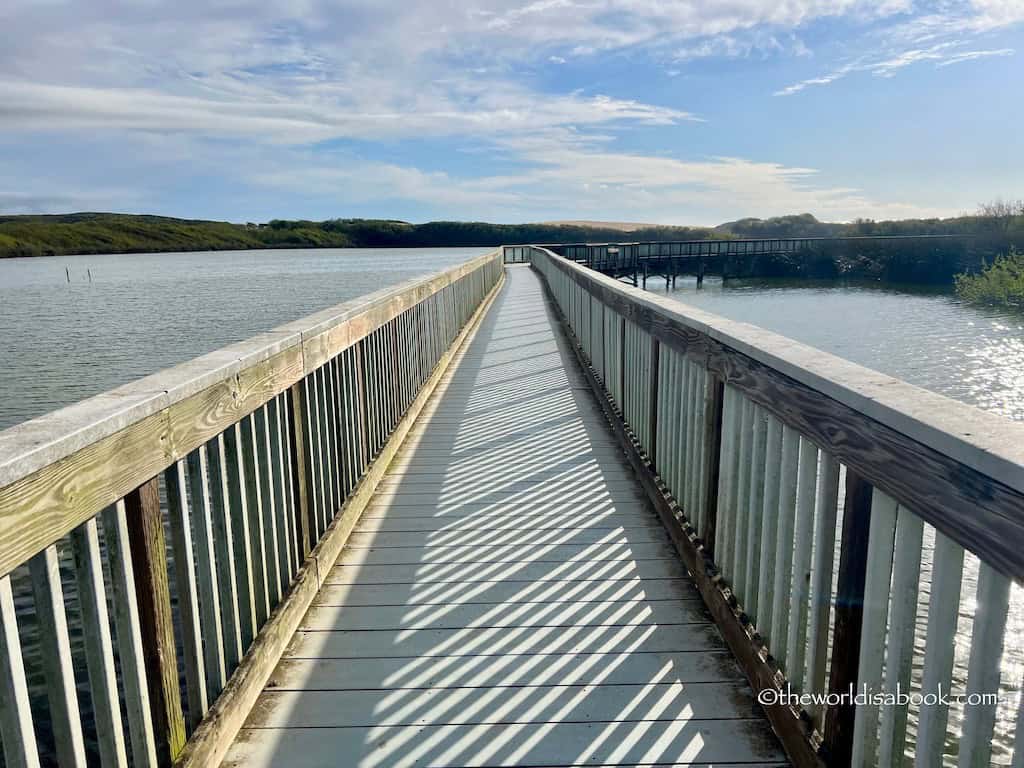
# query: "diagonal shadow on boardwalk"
[508,598]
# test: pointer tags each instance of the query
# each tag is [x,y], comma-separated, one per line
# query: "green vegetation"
[1001,283]
[119,233]
[992,230]
[116,233]
[978,238]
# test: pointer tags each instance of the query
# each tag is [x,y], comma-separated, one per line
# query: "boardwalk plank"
[506,571]
[510,592]
[602,613]
[433,643]
[689,742]
[477,537]
[394,673]
[504,705]
[617,549]
[603,520]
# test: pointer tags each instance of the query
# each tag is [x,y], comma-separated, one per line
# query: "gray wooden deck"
[508,598]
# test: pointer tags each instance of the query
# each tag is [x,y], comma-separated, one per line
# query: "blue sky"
[684,112]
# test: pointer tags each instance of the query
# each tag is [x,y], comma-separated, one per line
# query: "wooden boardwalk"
[508,597]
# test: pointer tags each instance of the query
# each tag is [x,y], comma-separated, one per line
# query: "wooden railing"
[516,254]
[769,461]
[594,254]
[256,460]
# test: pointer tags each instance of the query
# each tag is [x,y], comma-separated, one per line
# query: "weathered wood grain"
[298,441]
[16,730]
[148,552]
[134,677]
[40,508]
[207,575]
[55,655]
[849,617]
[180,525]
[99,650]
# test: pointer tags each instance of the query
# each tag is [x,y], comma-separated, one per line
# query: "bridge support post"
[145,531]
[839,720]
[652,424]
[700,274]
[714,397]
[300,466]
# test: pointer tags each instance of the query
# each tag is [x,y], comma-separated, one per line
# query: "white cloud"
[972,55]
[314,113]
[941,37]
[831,77]
[991,14]
[559,179]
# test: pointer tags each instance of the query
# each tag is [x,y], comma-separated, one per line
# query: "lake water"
[141,313]
[62,342]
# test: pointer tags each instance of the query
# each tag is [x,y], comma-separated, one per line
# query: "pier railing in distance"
[184,522]
[828,514]
[593,253]
[516,254]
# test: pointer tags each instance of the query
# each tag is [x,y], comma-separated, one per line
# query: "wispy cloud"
[556,179]
[942,38]
[972,55]
[943,55]
[831,77]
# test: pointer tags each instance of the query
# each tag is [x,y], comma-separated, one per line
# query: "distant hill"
[799,225]
[126,233]
[624,226]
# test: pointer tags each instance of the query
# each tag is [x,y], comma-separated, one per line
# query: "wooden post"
[853,558]
[55,655]
[19,737]
[653,423]
[152,591]
[300,466]
[622,366]
[714,397]
[362,396]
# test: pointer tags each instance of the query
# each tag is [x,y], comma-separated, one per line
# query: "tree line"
[992,229]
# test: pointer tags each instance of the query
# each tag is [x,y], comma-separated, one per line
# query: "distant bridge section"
[638,261]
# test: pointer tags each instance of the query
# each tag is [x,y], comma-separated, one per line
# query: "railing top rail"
[215,390]
[972,460]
